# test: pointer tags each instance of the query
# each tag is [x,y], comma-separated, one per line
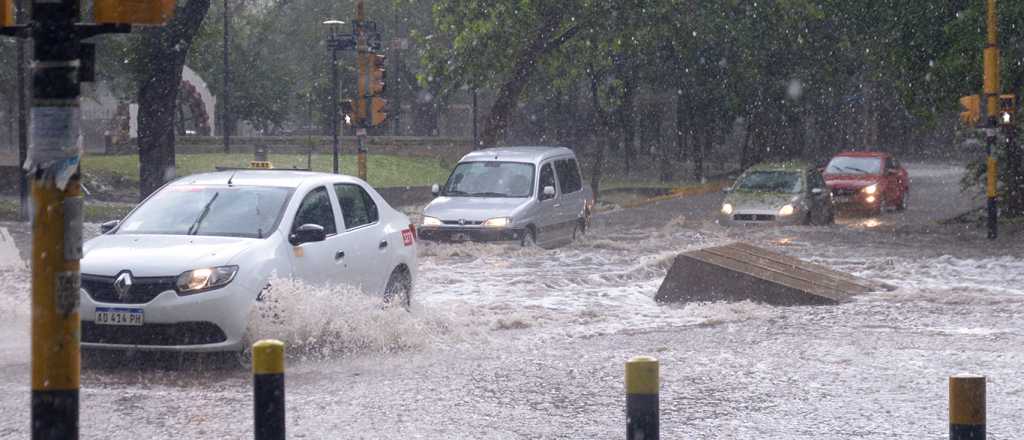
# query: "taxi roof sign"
[261,164]
[141,12]
[6,13]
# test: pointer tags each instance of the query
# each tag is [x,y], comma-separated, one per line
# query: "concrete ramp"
[739,272]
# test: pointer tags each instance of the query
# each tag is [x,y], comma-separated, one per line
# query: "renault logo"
[123,285]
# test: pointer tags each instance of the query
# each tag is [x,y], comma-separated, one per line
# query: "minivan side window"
[547,178]
[569,175]
[357,207]
[316,209]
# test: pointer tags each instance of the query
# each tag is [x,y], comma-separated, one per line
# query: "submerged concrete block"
[740,272]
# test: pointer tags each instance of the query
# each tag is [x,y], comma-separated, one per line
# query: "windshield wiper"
[488,194]
[455,192]
[858,170]
[194,229]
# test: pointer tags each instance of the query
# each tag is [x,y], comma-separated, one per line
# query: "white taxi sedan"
[183,270]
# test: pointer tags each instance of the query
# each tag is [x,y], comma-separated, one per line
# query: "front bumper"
[856,199]
[462,234]
[754,218]
[205,322]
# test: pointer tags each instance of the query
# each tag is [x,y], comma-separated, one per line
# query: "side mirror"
[548,193]
[307,233]
[727,190]
[892,172]
[109,226]
[817,191]
[435,190]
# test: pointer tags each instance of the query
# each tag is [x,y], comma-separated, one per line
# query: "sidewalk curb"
[677,193]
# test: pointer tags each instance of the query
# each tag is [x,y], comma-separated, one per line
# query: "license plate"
[460,237]
[118,316]
[842,199]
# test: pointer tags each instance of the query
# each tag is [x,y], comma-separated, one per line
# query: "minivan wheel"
[529,238]
[399,289]
[903,201]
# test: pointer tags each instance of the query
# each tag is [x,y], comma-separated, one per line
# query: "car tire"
[399,288]
[529,238]
[243,356]
[903,201]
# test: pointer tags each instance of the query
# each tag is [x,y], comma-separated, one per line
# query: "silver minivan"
[523,194]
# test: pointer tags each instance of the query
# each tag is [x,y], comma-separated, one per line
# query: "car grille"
[182,333]
[462,222]
[143,290]
[753,217]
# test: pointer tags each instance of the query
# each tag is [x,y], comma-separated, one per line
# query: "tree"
[163,51]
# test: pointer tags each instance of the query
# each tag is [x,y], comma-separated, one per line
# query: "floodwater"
[507,343]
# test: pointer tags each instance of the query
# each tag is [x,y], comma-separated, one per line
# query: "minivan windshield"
[491,179]
[227,211]
[770,181]
[854,165]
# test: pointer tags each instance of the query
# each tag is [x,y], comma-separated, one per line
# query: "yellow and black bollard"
[966,407]
[642,398]
[268,389]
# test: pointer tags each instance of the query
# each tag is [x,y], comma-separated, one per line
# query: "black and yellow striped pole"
[56,221]
[268,389]
[967,407]
[991,105]
[642,385]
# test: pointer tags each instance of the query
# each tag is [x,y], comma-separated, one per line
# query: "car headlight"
[870,189]
[787,210]
[201,280]
[499,222]
[431,221]
[727,208]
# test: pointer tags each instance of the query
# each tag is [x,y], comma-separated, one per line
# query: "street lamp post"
[226,123]
[335,42]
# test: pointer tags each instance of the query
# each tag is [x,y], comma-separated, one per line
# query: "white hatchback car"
[183,270]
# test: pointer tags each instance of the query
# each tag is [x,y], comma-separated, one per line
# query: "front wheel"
[529,238]
[903,201]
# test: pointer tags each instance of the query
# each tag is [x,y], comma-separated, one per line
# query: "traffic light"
[972,110]
[349,110]
[141,12]
[377,110]
[6,13]
[377,74]
[1007,109]
[371,68]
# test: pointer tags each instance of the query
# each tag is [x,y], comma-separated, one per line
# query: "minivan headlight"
[500,222]
[431,221]
[787,211]
[201,280]
[870,189]
[727,208]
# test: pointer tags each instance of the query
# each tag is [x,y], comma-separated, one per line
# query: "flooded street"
[506,343]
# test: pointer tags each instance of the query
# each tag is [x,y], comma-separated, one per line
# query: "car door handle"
[383,244]
[339,255]
[557,205]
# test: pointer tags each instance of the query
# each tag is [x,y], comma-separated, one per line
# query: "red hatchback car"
[870,180]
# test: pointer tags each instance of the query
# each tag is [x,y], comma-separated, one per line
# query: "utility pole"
[336,42]
[226,123]
[61,61]
[22,17]
[992,113]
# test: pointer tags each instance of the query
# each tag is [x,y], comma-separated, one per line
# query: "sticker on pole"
[67,291]
[55,148]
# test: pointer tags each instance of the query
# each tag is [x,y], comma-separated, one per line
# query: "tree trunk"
[496,125]
[164,50]
[703,136]
[627,115]
[745,150]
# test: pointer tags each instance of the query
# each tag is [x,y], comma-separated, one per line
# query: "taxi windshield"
[226,211]
[491,179]
[770,181]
